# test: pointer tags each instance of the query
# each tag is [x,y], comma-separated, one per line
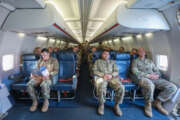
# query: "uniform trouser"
[115,84]
[167,89]
[45,88]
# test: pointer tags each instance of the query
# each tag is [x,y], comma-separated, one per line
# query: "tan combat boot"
[34,106]
[45,106]
[117,110]
[148,109]
[101,109]
[157,104]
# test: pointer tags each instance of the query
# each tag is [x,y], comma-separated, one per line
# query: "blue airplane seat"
[67,78]
[123,62]
[97,55]
[113,55]
[54,55]
[29,63]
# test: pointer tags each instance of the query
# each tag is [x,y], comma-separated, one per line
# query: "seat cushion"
[128,84]
[63,86]
[22,85]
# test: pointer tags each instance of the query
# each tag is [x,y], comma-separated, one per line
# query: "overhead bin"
[148,3]
[37,21]
[133,21]
[141,19]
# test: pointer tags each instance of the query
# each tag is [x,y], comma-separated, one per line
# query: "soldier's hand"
[140,82]
[109,76]
[155,76]
[105,77]
[45,77]
[151,76]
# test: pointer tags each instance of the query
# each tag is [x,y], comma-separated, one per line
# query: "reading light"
[21,34]
[41,38]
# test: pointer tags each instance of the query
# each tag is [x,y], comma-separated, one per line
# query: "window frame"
[11,66]
[162,68]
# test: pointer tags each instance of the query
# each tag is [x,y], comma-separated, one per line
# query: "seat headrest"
[66,56]
[29,57]
[123,56]
[97,54]
[135,56]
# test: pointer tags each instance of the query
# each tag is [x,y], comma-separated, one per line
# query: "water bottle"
[44,71]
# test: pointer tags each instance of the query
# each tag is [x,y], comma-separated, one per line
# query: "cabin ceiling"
[86,19]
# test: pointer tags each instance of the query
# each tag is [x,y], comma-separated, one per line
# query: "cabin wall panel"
[174,43]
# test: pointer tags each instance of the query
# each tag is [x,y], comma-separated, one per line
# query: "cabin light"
[116,40]
[41,38]
[149,34]
[52,40]
[127,38]
[21,34]
[123,2]
[57,41]
[55,6]
[139,36]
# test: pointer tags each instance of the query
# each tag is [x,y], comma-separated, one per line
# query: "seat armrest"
[54,79]
[74,80]
[17,77]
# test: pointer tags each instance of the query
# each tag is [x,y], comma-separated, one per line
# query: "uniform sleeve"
[155,69]
[136,71]
[115,70]
[96,69]
[90,58]
[38,63]
[55,67]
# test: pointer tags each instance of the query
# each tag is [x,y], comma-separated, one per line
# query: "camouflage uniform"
[53,68]
[141,69]
[100,68]
[78,58]
[90,60]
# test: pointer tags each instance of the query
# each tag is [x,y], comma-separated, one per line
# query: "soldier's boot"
[34,105]
[117,110]
[157,103]
[148,109]
[45,105]
[101,109]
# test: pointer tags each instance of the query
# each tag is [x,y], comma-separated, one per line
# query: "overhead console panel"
[36,21]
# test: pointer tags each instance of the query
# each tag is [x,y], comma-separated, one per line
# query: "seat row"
[123,62]
[65,80]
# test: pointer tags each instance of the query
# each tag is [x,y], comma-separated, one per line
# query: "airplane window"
[178,15]
[8,62]
[162,62]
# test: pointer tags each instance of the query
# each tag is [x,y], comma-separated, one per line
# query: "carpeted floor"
[84,108]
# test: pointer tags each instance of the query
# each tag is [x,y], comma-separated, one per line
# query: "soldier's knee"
[147,84]
[121,88]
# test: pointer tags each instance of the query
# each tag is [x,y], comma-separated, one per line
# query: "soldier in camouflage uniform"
[78,53]
[149,79]
[106,74]
[44,82]
[90,58]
